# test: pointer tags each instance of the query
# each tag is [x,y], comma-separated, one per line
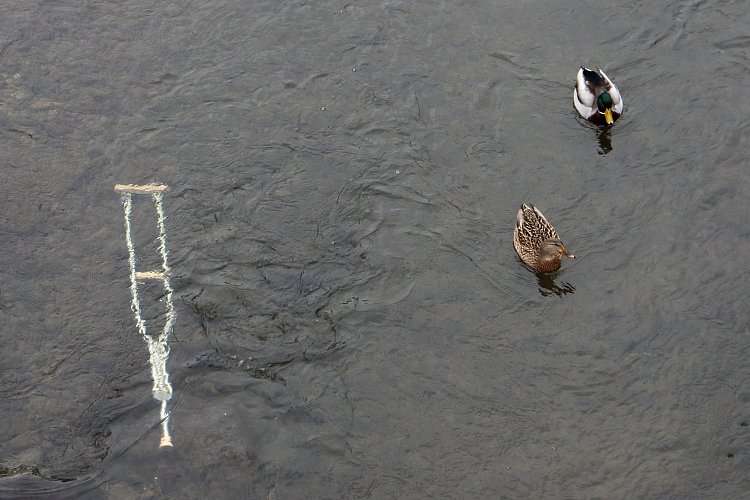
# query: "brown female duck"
[537,242]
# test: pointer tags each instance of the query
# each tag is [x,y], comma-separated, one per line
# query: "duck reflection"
[548,287]
[604,136]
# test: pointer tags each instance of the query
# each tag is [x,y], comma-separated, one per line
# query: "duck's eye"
[604,101]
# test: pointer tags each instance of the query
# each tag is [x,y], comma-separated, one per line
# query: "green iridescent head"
[604,102]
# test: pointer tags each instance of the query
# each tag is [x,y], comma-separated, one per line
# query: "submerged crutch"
[158,346]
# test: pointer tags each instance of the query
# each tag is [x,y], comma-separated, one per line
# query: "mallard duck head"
[552,249]
[604,104]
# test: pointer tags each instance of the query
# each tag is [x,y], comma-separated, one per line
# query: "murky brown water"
[352,321]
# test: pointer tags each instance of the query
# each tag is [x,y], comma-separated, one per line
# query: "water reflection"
[604,137]
[548,287]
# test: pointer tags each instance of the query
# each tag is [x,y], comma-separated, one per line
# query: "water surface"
[352,321]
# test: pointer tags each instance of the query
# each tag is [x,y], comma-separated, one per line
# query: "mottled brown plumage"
[536,241]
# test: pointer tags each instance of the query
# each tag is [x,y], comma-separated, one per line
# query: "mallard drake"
[596,98]
[537,242]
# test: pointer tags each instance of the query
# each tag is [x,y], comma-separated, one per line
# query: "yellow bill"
[608,116]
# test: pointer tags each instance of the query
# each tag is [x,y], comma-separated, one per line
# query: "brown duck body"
[536,241]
